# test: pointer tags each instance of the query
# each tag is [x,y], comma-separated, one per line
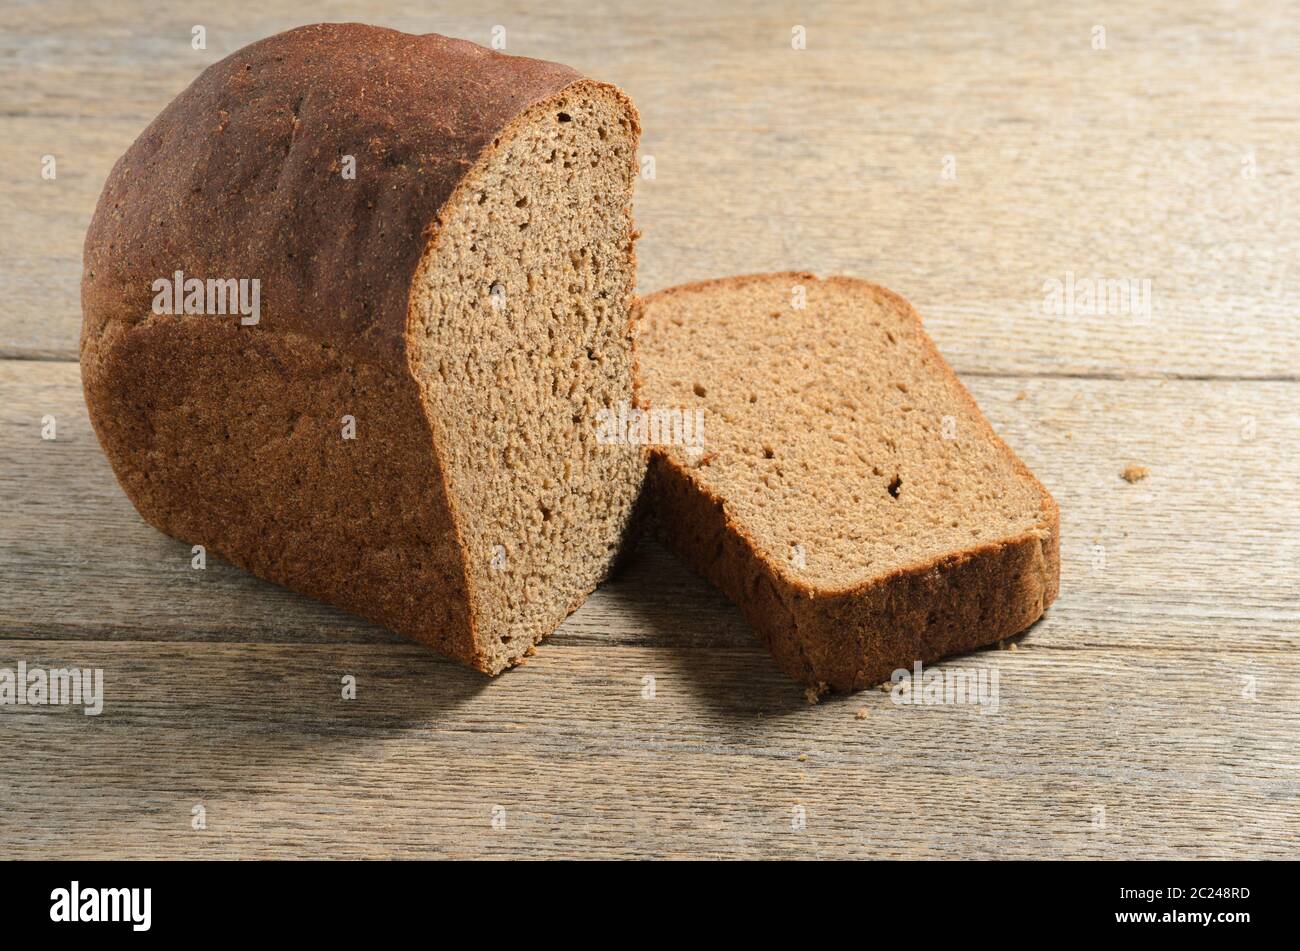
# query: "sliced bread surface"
[847,493]
[443,242]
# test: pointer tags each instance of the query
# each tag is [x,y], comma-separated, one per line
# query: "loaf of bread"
[352,303]
[846,492]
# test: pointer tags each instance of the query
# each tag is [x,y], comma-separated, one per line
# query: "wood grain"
[714,765]
[1164,685]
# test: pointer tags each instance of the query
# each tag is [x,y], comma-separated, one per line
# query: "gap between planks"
[45,356]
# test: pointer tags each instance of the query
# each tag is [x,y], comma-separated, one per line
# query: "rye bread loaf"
[847,494]
[444,244]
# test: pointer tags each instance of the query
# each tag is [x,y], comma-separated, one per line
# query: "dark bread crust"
[853,637]
[229,435]
[239,175]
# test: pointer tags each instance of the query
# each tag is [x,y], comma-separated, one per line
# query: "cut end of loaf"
[521,323]
[848,494]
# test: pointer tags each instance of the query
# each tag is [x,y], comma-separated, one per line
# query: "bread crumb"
[1002,645]
[1013,647]
[862,713]
[803,757]
[1020,396]
[886,687]
[813,695]
[1134,473]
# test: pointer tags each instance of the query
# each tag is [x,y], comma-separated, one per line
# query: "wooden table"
[1155,712]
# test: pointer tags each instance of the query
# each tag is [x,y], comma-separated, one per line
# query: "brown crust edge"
[805,626]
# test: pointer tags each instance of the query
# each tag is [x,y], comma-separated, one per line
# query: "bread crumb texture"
[835,428]
[524,332]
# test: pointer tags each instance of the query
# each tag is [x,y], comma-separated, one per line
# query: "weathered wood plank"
[583,765]
[1202,555]
[1125,163]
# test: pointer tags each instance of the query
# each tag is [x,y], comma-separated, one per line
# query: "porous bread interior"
[516,376]
[828,427]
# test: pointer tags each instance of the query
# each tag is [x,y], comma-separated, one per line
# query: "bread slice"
[848,495]
[444,244]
